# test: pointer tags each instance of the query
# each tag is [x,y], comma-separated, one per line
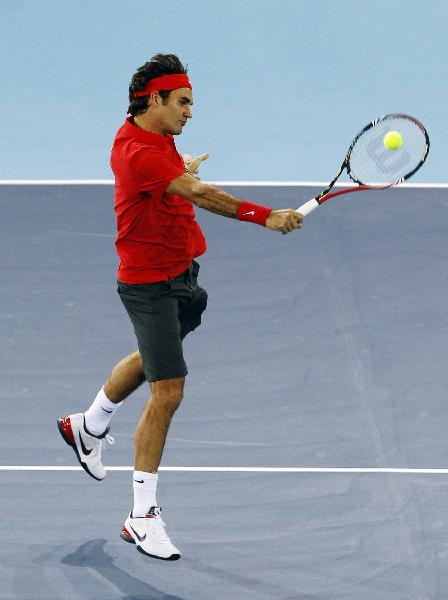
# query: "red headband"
[166,82]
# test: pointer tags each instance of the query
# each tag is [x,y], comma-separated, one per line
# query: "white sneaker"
[87,446]
[149,534]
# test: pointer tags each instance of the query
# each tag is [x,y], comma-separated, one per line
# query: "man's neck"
[148,125]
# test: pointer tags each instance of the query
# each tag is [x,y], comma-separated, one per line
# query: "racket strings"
[372,163]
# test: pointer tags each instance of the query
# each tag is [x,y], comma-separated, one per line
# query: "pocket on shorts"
[143,298]
[196,267]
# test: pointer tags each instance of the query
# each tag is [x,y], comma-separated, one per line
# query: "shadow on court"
[92,555]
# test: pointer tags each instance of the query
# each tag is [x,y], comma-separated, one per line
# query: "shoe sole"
[172,557]
[130,540]
[73,445]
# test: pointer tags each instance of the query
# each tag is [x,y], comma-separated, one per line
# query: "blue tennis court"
[322,352]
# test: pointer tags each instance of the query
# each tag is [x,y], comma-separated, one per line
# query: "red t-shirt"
[158,235]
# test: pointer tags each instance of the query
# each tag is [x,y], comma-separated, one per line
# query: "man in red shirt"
[157,241]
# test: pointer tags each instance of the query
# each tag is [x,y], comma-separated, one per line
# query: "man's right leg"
[85,432]
[144,526]
[154,313]
[152,428]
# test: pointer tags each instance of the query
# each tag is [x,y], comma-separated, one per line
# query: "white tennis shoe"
[149,534]
[87,446]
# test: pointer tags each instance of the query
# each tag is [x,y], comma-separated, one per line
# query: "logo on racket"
[385,160]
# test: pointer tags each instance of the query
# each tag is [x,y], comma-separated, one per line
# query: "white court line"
[56,181]
[321,184]
[244,469]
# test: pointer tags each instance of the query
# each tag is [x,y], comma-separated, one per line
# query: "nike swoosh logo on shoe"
[109,412]
[138,481]
[85,450]
[141,538]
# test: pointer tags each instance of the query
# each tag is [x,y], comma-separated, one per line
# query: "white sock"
[98,416]
[145,485]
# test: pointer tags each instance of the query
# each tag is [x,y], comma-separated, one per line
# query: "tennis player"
[157,241]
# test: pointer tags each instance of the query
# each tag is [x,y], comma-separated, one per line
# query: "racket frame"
[326,194]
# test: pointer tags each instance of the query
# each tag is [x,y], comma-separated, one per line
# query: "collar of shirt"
[148,137]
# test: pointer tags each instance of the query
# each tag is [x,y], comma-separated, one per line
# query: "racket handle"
[306,208]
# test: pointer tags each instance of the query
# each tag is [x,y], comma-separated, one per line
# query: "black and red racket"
[372,165]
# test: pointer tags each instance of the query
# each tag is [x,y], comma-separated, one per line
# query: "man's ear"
[155,99]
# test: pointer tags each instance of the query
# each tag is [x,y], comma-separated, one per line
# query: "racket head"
[369,163]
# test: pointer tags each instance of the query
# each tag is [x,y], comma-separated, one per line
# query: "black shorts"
[163,314]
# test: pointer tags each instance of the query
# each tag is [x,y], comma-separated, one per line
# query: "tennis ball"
[392,140]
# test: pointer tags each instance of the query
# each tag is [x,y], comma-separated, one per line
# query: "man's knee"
[131,363]
[167,394]
[135,360]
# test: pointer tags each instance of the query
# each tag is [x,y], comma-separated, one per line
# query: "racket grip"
[306,208]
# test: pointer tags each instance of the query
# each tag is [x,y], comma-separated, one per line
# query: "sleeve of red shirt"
[152,171]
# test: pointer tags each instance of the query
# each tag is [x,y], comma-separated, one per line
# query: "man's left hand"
[193,163]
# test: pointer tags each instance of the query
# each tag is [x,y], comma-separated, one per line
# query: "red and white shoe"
[87,446]
[149,534]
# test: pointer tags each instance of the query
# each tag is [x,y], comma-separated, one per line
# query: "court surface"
[323,349]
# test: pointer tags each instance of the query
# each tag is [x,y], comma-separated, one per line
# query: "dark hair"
[160,64]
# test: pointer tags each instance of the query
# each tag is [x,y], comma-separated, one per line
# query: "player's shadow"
[93,555]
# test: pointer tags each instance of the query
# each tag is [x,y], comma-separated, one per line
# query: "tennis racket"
[373,166]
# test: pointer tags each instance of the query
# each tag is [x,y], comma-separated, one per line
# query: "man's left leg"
[86,432]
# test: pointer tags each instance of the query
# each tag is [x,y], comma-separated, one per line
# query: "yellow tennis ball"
[393,140]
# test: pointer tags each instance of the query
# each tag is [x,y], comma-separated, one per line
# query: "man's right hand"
[285,220]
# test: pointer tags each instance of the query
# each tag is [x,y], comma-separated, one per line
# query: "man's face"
[177,110]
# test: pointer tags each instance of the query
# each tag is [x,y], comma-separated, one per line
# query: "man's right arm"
[222,203]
